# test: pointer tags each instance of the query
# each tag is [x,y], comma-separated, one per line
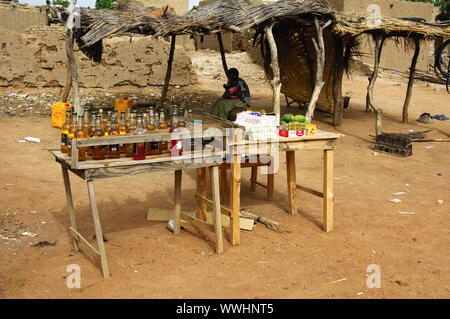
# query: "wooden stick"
[222,53]
[276,80]
[338,72]
[379,41]
[216,216]
[162,99]
[201,190]
[71,64]
[66,89]
[73,223]
[412,71]
[235,182]
[291,181]
[177,217]
[98,229]
[253,178]
[320,64]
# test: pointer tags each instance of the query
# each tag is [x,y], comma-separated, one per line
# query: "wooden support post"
[162,99]
[67,86]
[222,53]
[98,229]
[223,183]
[201,190]
[72,64]
[379,41]
[412,71]
[291,181]
[276,80]
[216,216]
[328,192]
[320,64]
[235,181]
[270,185]
[73,223]
[253,178]
[177,217]
[338,72]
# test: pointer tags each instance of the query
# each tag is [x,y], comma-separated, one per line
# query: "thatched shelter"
[306,44]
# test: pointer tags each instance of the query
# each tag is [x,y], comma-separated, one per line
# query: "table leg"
[73,223]
[270,185]
[253,178]
[177,221]
[98,229]
[234,199]
[216,216]
[328,192]
[201,190]
[223,183]
[291,181]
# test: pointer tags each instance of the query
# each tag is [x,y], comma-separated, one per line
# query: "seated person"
[235,99]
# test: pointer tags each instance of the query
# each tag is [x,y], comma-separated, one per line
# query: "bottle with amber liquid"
[130,130]
[73,126]
[113,151]
[176,146]
[181,121]
[163,145]
[139,148]
[99,150]
[85,123]
[122,130]
[65,132]
[80,133]
[90,150]
[108,122]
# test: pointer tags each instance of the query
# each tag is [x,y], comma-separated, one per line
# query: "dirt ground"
[147,261]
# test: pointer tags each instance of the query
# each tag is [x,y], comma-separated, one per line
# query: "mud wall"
[394,55]
[37,58]
[18,17]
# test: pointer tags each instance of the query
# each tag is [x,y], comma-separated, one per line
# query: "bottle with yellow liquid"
[99,150]
[80,133]
[163,146]
[108,123]
[73,126]
[130,130]
[113,151]
[85,124]
[90,150]
[65,132]
[122,130]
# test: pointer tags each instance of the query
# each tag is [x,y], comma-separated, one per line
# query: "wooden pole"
[162,99]
[320,64]
[222,53]
[379,41]
[412,71]
[66,89]
[338,72]
[276,81]
[72,65]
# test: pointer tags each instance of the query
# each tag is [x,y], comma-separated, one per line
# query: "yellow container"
[123,104]
[59,113]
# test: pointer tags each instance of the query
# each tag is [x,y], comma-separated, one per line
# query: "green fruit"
[307,122]
[282,122]
[287,117]
[300,118]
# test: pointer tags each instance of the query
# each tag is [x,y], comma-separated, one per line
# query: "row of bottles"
[97,125]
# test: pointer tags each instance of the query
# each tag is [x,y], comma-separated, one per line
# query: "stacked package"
[258,126]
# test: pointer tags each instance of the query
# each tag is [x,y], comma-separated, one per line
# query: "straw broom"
[274,225]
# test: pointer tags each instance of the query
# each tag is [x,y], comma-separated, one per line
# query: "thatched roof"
[238,16]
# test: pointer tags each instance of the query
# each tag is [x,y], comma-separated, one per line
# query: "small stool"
[261,160]
[215,203]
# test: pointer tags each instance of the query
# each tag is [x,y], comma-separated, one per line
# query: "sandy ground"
[147,261]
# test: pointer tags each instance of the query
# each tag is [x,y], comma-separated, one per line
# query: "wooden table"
[91,170]
[321,140]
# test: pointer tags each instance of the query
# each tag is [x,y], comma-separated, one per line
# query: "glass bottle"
[176,146]
[139,148]
[85,125]
[73,126]
[80,133]
[90,150]
[181,121]
[130,130]
[99,150]
[163,146]
[122,130]
[107,124]
[113,149]
[65,131]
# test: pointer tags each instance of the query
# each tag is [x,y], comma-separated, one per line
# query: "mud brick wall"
[37,58]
